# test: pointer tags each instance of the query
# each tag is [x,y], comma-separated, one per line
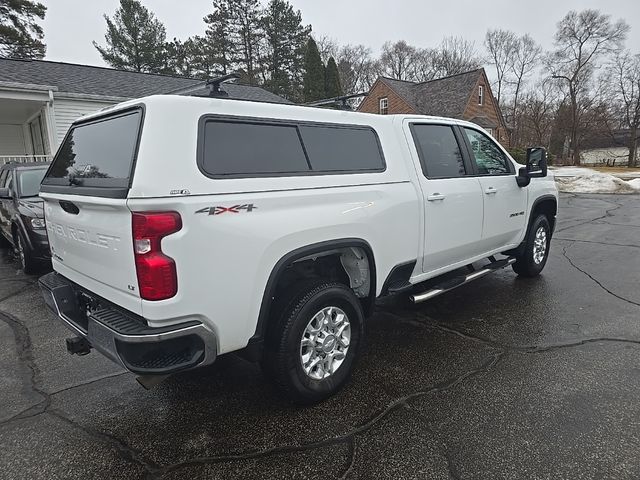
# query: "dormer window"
[480,95]
[383,106]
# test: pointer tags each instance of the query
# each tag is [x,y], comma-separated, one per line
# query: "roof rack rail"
[338,102]
[214,85]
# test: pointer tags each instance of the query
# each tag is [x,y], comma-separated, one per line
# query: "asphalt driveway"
[502,378]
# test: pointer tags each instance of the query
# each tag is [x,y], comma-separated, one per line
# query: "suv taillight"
[157,277]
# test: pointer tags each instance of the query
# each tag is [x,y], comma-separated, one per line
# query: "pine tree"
[246,35]
[332,79]
[181,57]
[20,35]
[314,88]
[135,39]
[216,50]
[285,40]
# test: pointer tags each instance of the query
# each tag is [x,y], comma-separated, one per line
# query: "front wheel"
[536,249]
[27,262]
[311,349]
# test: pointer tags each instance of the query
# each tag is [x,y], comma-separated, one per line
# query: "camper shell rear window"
[97,157]
[239,147]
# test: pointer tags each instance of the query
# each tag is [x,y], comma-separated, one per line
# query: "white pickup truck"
[185,228]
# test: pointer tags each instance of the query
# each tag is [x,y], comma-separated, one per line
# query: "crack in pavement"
[528,348]
[13,294]
[599,243]
[348,437]
[610,292]
[443,447]
[617,224]
[126,452]
[353,451]
[25,357]
[88,382]
[495,344]
[607,213]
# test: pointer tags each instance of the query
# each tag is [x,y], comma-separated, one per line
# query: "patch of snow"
[585,180]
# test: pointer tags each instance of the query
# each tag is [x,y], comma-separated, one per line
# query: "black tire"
[282,360]
[526,265]
[27,263]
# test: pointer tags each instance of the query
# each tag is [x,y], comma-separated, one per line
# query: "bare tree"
[626,85]
[501,45]
[398,60]
[581,39]
[525,58]
[357,69]
[327,46]
[426,65]
[455,55]
[537,114]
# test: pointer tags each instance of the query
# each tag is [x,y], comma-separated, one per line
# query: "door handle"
[435,197]
[491,190]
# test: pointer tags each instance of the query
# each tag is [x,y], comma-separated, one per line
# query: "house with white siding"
[39,100]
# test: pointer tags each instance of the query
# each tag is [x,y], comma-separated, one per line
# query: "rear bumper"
[124,337]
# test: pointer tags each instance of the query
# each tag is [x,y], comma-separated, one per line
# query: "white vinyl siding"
[12,140]
[67,111]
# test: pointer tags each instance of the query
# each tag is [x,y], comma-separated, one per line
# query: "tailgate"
[91,245]
[85,203]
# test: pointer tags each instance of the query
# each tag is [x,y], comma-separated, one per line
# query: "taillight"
[157,277]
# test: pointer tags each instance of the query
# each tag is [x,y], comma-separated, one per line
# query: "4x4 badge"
[218,210]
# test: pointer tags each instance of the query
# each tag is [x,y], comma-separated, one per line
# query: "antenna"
[339,102]
[214,84]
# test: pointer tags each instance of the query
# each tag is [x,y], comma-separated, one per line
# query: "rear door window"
[439,152]
[97,155]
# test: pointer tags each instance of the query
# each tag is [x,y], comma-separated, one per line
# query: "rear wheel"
[312,346]
[536,250]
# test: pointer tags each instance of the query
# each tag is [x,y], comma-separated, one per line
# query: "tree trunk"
[633,147]
[575,150]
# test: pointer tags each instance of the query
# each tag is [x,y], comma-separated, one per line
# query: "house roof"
[442,97]
[89,80]
[484,122]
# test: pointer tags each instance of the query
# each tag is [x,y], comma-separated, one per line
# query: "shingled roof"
[442,97]
[89,80]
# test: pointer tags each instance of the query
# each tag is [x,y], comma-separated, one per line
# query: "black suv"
[21,213]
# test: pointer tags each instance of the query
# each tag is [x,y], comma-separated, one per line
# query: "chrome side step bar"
[456,282]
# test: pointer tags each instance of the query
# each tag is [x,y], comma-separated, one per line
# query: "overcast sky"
[71,25]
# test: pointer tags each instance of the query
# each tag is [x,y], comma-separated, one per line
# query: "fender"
[17,221]
[539,200]
[518,250]
[269,291]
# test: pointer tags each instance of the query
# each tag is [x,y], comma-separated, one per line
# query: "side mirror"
[536,166]
[5,193]
[537,162]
